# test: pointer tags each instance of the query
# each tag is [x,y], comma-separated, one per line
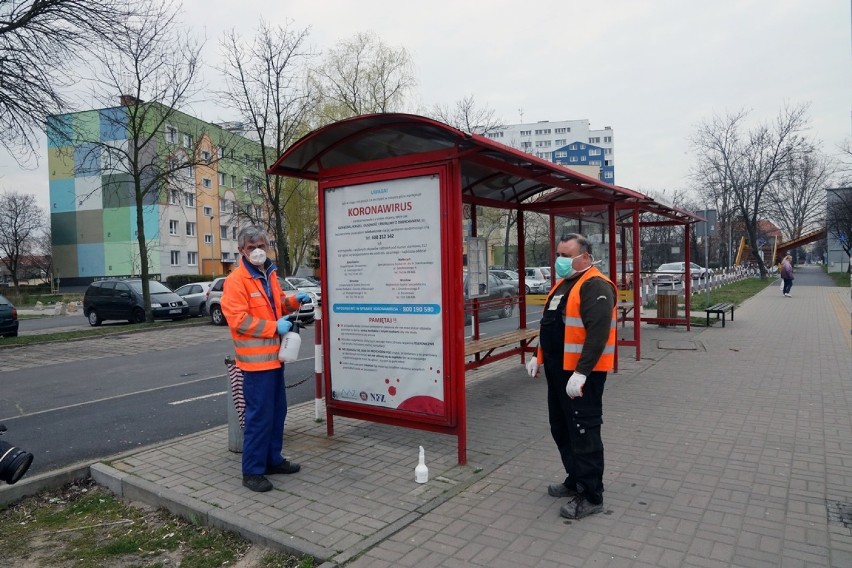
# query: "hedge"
[177,280]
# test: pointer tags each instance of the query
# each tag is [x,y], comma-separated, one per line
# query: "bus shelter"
[393,190]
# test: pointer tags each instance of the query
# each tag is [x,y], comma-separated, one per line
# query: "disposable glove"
[532,367]
[575,385]
[303,297]
[284,325]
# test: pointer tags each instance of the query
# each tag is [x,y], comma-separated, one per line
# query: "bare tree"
[797,199]
[155,71]
[838,219]
[20,222]
[267,87]
[468,117]
[748,163]
[363,75]
[42,44]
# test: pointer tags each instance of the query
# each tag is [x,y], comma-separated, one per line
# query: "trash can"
[235,403]
[667,301]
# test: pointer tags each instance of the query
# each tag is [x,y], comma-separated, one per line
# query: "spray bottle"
[421,472]
[290,343]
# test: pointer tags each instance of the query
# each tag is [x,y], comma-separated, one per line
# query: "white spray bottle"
[290,343]
[421,472]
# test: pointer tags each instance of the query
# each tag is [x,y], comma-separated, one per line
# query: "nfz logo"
[374,397]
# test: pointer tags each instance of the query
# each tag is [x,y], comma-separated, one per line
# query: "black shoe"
[560,490]
[285,467]
[257,483]
[579,507]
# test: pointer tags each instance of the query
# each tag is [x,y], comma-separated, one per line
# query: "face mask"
[257,257]
[564,266]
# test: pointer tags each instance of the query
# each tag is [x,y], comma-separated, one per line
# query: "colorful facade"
[190,221]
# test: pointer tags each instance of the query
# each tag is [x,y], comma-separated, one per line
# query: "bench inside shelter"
[485,349]
[720,309]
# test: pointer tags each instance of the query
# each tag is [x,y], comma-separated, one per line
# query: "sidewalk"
[725,447]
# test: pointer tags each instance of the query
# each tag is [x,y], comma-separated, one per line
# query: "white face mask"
[257,257]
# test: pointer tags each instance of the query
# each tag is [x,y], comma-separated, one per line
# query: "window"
[220,153]
[206,182]
[208,211]
[187,141]
[234,233]
[561,154]
[561,130]
[234,181]
[192,258]
[594,162]
[221,179]
[608,175]
[526,132]
[572,147]
[594,151]
[583,158]
[236,209]
[205,155]
[173,228]
[171,134]
[247,184]
[190,229]
[526,145]
[607,151]
[223,232]
[226,255]
[189,199]
[174,197]
[246,159]
[572,159]
[208,239]
[257,165]
[543,131]
[595,140]
[542,144]
[561,142]
[608,139]
[258,212]
[258,187]
[175,254]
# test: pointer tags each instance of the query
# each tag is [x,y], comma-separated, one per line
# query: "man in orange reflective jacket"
[256,308]
[577,348]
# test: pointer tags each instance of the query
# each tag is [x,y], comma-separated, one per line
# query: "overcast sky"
[652,70]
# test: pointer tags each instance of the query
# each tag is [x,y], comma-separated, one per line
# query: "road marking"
[193,399]
[79,404]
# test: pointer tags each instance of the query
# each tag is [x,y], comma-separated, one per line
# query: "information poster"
[384,294]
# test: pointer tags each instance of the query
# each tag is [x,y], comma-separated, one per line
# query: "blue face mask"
[564,266]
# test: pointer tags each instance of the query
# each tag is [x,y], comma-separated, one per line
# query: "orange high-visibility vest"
[253,319]
[575,333]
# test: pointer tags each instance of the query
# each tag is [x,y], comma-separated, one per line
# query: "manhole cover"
[677,345]
[840,514]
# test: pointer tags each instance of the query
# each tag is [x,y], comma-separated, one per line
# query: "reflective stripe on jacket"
[575,332]
[253,319]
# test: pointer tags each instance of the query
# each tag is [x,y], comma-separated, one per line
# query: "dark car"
[122,300]
[214,303]
[499,300]
[8,318]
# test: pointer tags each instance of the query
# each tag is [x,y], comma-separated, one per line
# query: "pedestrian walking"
[256,308]
[577,349]
[787,275]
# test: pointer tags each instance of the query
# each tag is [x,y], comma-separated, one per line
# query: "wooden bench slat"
[475,346]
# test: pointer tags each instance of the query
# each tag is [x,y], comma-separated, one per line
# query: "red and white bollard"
[319,404]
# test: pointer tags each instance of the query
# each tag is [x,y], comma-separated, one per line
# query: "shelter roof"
[492,174]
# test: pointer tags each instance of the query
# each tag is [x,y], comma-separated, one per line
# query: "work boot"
[257,483]
[579,507]
[560,490]
[285,467]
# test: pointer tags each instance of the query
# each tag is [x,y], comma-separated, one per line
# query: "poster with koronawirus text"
[383,247]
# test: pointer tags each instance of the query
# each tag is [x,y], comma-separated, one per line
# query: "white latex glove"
[575,385]
[532,367]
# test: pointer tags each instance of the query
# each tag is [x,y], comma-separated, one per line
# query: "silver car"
[195,295]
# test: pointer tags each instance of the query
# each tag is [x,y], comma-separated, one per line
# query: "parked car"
[672,273]
[535,281]
[122,300]
[8,318]
[499,301]
[214,303]
[195,295]
[509,276]
[308,286]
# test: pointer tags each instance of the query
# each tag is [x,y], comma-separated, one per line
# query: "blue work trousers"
[266,409]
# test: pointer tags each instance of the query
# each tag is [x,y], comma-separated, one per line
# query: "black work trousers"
[575,425]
